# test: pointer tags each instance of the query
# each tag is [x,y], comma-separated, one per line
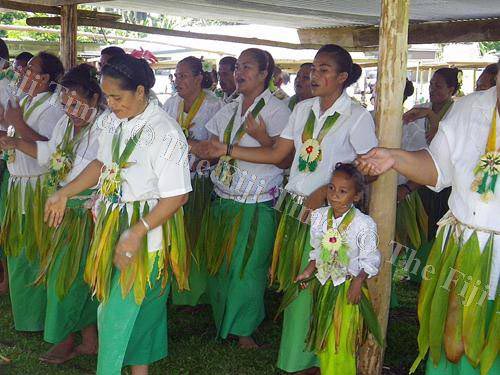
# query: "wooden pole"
[393,48]
[68,36]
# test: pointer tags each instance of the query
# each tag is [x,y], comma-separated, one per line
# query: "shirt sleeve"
[369,255]
[170,164]
[50,117]
[45,149]
[362,135]
[214,124]
[440,151]
[316,233]
[278,119]
[288,131]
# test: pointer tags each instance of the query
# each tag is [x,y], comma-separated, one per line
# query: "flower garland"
[310,152]
[488,168]
[186,122]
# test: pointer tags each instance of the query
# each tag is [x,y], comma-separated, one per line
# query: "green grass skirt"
[236,289]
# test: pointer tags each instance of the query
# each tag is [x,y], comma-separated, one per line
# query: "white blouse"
[362,240]
[456,149]
[352,134]
[158,165]
[86,150]
[211,105]
[252,182]
[42,120]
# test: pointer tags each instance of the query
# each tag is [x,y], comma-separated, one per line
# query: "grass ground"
[193,349]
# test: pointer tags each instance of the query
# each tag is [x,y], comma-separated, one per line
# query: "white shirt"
[159,167]
[352,134]
[252,182]
[362,240]
[86,150]
[211,105]
[42,120]
[456,150]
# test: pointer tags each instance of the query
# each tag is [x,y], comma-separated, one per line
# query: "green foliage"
[486,47]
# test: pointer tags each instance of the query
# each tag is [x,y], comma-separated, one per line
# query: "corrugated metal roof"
[310,14]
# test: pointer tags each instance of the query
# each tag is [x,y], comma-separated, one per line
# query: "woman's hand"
[375,162]
[128,246]
[416,113]
[55,208]
[354,292]
[8,143]
[211,149]
[255,129]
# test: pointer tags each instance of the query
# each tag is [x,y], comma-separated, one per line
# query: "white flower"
[310,150]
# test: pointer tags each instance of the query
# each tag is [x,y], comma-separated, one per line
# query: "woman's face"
[123,103]
[247,75]
[78,107]
[186,82]
[35,80]
[325,80]
[302,83]
[439,92]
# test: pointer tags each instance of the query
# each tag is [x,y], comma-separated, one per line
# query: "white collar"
[266,95]
[342,105]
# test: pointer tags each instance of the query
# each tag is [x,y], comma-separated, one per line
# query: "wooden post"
[68,35]
[393,49]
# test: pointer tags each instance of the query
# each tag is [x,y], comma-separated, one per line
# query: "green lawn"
[193,350]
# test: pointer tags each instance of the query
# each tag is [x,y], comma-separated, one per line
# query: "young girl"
[240,231]
[321,132]
[71,148]
[344,255]
[143,177]
[22,234]
[193,106]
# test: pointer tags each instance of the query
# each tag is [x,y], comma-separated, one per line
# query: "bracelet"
[229,149]
[145,223]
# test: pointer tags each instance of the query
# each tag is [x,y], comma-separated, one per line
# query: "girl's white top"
[251,182]
[352,134]
[86,149]
[362,241]
[159,166]
[43,120]
[456,149]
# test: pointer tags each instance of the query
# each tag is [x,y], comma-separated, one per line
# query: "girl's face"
[186,82]
[123,103]
[325,80]
[78,107]
[439,92]
[342,193]
[247,76]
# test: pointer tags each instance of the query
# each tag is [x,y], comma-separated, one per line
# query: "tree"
[486,47]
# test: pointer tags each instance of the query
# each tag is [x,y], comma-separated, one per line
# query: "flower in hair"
[144,54]
[206,66]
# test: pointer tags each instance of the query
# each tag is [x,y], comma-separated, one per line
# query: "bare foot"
[60,353]
[89,342]
[247,342]
[4,286]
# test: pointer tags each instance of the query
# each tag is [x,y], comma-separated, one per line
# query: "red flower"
[333,239]
[309,149]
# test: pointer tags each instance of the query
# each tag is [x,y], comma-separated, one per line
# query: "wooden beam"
[418,33]
[68,36]
[36,8]
[50,21]
[393,49]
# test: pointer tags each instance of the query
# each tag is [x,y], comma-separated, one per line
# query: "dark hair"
[229,61]
[450,76]
[344,63]
[491,69]
[265,62]
[306,65]
[24,56]
[113,51]
[196,67]
[350,170]
[131,72]
[83,78]
[52,66]
[4,51]
[409,90]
